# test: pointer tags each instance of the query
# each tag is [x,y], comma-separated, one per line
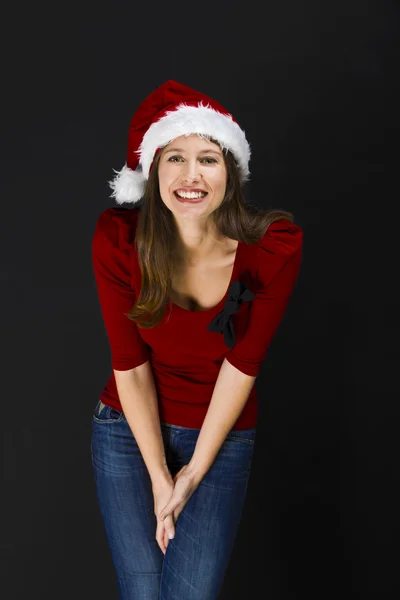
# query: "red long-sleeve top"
[186,355]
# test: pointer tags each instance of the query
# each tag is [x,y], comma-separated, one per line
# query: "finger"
[160,542]
[160,532]
[166,540]
[174,506]
[161,545]
[169,526]
[170,507]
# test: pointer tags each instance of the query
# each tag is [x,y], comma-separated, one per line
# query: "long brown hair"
[159,246]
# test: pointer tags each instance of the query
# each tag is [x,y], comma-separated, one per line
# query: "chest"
[202,287]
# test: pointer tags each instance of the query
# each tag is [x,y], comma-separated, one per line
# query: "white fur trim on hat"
[187,120]
[128,185]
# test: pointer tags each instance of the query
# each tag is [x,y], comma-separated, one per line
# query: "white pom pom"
[128,185]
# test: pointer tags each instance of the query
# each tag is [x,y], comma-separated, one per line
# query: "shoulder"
[282,237]
[115,227]
[280,245]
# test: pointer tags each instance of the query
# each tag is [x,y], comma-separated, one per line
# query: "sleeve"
[113,276]
[279,257]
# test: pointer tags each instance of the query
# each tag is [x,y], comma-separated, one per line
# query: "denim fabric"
[196,560]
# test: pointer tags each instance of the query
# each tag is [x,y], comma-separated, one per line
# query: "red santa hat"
[172,110]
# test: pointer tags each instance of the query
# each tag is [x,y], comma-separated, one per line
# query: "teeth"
[191,195]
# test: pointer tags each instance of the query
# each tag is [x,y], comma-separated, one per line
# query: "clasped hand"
[170,498]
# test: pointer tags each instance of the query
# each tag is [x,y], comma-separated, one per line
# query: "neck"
[197,243]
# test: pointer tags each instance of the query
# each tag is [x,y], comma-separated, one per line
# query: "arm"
[228,400]
[279,260]
[112,267]
[138,397]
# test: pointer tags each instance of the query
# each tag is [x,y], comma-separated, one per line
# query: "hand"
[185,483]
[162,493]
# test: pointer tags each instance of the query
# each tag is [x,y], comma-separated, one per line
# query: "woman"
[192,284]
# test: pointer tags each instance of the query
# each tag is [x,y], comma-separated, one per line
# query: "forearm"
[230,395]
[138,397]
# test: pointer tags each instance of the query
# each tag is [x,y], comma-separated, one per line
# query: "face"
[192,164]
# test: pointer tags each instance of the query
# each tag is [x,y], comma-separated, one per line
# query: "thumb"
[170,507]
[165,511]
[169,526]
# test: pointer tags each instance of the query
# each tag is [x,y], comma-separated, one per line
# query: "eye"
[172,157]
[208,158]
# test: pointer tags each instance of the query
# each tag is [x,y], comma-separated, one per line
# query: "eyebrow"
[201,151]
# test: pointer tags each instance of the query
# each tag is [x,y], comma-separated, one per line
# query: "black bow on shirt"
[237,294]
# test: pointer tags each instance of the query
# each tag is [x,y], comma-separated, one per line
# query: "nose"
[191,171]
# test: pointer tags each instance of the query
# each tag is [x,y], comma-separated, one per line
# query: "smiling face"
[189,165]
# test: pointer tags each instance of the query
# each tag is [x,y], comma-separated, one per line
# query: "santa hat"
[172,110]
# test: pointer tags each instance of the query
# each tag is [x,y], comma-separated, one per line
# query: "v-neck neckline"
[217,307]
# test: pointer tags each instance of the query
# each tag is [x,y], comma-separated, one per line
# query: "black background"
[314,86]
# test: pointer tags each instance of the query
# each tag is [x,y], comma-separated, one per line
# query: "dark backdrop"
[313,85]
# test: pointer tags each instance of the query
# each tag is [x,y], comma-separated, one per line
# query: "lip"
[190,190]
[190,200]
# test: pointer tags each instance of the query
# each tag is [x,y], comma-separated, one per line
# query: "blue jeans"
[196,559]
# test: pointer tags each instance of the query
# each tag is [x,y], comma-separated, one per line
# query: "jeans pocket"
[106,414]
[248,436]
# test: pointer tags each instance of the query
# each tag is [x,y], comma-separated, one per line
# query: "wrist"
[195,470]
[160,476]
